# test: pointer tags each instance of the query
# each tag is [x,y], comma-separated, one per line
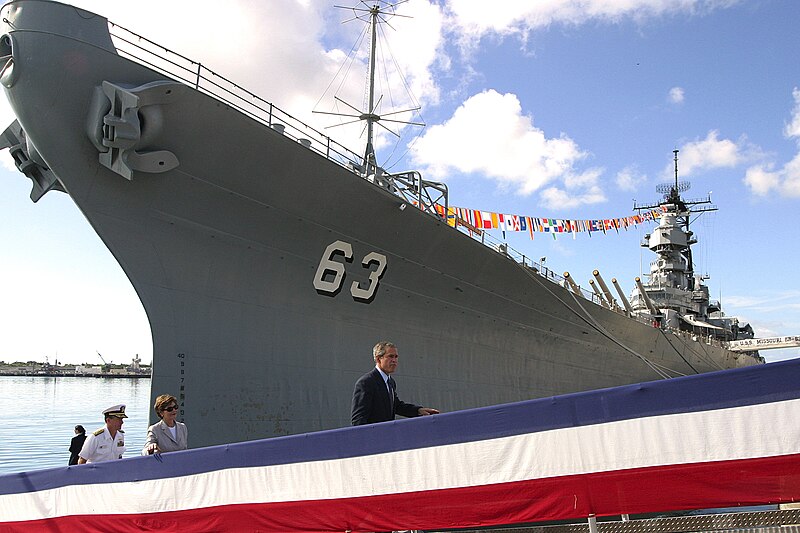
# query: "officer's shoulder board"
[99,432]
[121,431]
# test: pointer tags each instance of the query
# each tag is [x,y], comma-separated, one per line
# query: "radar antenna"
[379,13]
[671,192]
[672,195]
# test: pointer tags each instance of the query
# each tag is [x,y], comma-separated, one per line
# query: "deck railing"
[161,59]
[142,50]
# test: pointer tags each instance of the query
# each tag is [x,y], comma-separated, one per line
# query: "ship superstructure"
[270,259]
[674,295]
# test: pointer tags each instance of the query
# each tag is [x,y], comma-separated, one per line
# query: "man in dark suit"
[375,395]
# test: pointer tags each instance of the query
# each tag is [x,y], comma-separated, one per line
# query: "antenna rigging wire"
[386,49]
[659,370]
[348,62]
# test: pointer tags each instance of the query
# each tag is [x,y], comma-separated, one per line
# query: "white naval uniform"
[99,446]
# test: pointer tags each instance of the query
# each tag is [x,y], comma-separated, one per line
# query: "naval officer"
[108,442]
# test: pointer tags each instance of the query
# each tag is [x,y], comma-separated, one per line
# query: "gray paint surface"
[223,251]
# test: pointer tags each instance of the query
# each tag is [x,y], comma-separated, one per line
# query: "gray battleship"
[269,258]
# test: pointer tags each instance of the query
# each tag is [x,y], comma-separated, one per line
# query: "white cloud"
[792,129]
[559,199]
[676,95]
[238,41]
[489,135]
[476,19]
[711,152]
[418,42]
[629,179]
[791,175]
[763,179]
[774,301]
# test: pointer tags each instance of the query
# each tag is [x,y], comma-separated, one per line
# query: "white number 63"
[327,265]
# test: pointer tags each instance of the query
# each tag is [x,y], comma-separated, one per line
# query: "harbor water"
[38,416]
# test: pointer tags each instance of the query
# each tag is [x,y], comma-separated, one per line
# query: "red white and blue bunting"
[714,440]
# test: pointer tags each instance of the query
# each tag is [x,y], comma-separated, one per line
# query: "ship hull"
[224,251]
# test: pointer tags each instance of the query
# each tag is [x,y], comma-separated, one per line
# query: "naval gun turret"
[678,294]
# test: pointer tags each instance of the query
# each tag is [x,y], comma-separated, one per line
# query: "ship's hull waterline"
[224,251]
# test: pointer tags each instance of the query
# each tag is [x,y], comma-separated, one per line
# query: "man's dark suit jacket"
[372,403]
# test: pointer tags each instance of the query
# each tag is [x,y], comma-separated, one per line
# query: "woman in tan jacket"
[168,435]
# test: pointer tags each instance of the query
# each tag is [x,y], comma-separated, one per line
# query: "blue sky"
[565,109]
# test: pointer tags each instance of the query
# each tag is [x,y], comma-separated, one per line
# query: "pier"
[38,369]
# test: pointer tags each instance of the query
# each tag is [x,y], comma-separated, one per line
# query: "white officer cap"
[116,410]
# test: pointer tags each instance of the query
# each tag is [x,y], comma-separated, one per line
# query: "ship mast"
[675,152]
[370,117]
[428,196]
[379,13]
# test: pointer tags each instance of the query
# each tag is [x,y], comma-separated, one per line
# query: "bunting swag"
[722,439]
[476,220]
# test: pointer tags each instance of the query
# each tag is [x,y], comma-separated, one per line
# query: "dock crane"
[106,367]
